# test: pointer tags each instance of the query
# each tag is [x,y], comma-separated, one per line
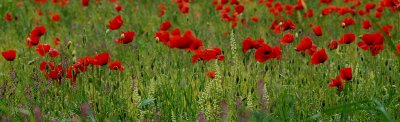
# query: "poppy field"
[199,60]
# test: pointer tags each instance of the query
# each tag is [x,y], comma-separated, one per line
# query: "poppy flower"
[53,53]
[346,74]
[319,57]
[55,18]
[299,5]
[249,43]
[367,24]
[333,45]
[288,24]
[43,49]
[287,38]
[9,55]
[265,53]
[126,37]
[56,41]
[85,3]
[239,9]
[347,38]
[211,74]
[38,31]
[162,11]
[182,42]
[208,55]
[398,47]
[347,22]
[378,14]
[39,12]
[184,7]
[369,6]
[372,42]
[116,23]
[196,45]
[163,37]
[165,26]
[101,59]
[8,17]
[337,82]
[306,43]
[46,66]
[325,1]
[386,29]
[118,7]
[254,18]
[72,73]
[312,50]
[309,13]
[317,30]
[116,65]
[56,73]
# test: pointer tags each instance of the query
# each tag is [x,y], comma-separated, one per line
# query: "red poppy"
[162,37]
[337,82]
[306,43]
[287,38]
[116,65]
[347,38]
[39,12]
[367,24]
[312,50]
[333,45]
[118,7]
[126,37]
[53,53]
[182,42]
[55,18]
[254,18]
[85,3]
[299,5]
[116,23]
[72,73]
[196,45]
[56,73]
[8,17]
[378,14]
[347,22]
[288,24]
[165,26]
[309,13]
[372,42]
[386,29]
[317,30]
[41,1]
[38,31]
[239,9]
[325,1]
[369,6]
[249,43]
[101,59]
[9,55]
[43,49]
[56,41]
[162,11]
[398,47]
[208,55]
[211,74]
[346,74]
[265,53]
[319,57]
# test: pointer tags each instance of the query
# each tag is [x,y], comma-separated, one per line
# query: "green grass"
[162,84]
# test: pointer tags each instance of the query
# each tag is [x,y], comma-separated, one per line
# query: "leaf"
[147,101]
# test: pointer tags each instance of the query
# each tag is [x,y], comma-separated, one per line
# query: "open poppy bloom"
[118,7]
[239,9]
[126,37]
[165,26]
[34,37]
[53,53]
[116,23]
[43,49]
[9,55]
[333,45]
[346,74]
[208,55]
[101,59]
[372,42]
[182,42]
[287,38]
[266,52]
[249,43]
[317,30]
[55,18]
[347,22]
[85,3]
[163,37]
[367,24]
[347,38]
[116,65]
[337,82]
[306,43]
[319,57]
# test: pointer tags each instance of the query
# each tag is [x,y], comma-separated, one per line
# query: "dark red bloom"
[306,43]
[55,18]
[126,37]
[43,49]
[239,9]
[319,57]
[165,26]
[299,5]
[211,74]
[53,53]
[249,44]
[118,7]
[162,37]
[101,59]
[347,22]
[8,17]
[346,74]
[337,82]
[116,65]
[367,24]
[287,38]
[317,30]
[9,55]
[85,3]
[325,1]
[372,42]
[288,24]
[333,45]
[56,41]
[116,23]
[265,53]
[182,42]
[347,38]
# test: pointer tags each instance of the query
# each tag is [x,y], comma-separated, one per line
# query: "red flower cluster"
[345,74]
[372,42]
[34,37]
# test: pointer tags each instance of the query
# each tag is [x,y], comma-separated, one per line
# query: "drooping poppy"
[9,55]
[126,37]
[101,59]
[346,74]
[116,65]
[116,23]
[319,57]
[305,43]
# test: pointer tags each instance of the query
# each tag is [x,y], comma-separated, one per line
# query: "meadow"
[199,60]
